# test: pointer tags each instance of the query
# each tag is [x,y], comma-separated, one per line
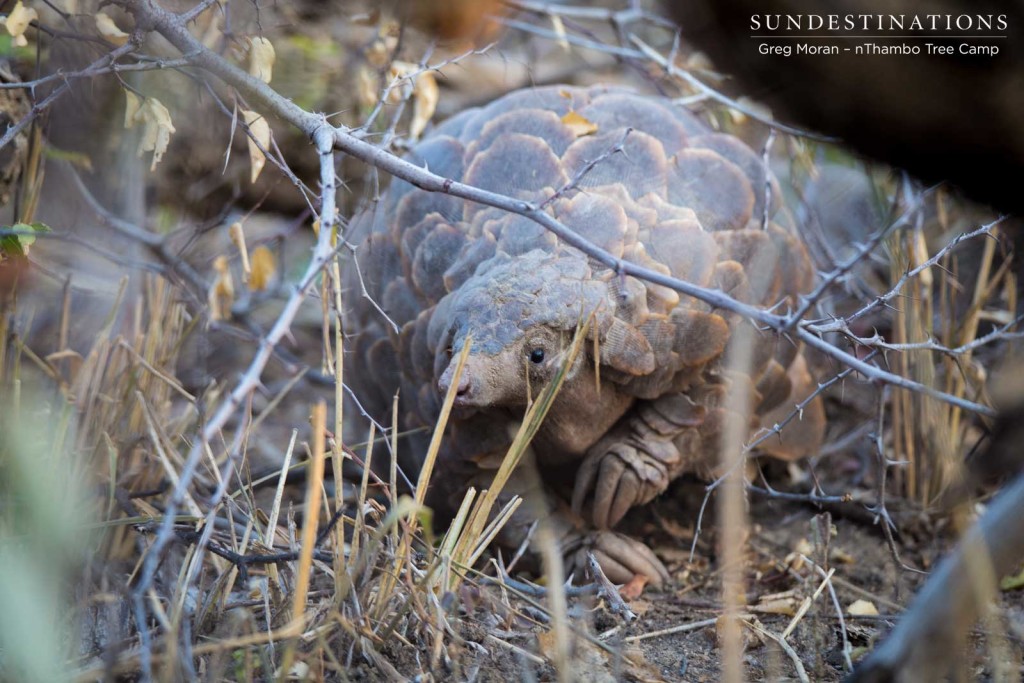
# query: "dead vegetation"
[179,498]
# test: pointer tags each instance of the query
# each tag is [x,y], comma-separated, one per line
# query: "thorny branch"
[862,251]
[409,78]
[99,68]
[879,509]
[38,108]
[817,496]
[622,17]
[842,325]
[668,63]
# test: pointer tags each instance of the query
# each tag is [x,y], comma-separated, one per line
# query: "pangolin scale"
[666,193]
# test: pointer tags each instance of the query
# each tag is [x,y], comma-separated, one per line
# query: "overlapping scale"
[640,165]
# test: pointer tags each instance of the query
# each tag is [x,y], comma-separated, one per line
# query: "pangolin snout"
[464,391]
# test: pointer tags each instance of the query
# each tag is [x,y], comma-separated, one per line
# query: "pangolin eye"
[537,355]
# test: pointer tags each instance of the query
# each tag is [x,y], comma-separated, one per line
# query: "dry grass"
[325,599]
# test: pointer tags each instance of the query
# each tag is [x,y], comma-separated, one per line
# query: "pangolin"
[640,178]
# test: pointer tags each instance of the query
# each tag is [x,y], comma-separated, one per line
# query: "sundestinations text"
[878,22]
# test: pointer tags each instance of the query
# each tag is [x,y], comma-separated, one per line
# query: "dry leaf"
[157,129]
[381,51]
[366,87]
[795,559]
[862,608]
[804,547]
[639,607]
[237,235]
[786,606]
[260,130]
[264,267]
[222,293]
[109,30]
[633,588]
[546,644]
[838,555]
[422,87]
[578,124]
[640,668]
[261,58]
[156,126]
[427,94]
[586,663]
[299,671]
[132,103]
[397,71]
[754,107]
[559,28]
[18,20]
[750,637]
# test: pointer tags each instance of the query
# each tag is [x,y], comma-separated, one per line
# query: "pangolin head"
[522,314]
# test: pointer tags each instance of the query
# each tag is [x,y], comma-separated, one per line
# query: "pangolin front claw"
[621,476]
[620,557]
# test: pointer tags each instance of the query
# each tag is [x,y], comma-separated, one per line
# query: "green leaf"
[1015,582]
[16,245]
[79,159]
[10,245]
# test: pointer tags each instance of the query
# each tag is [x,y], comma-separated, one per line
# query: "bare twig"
[706,90]
[609,591]
[39,107]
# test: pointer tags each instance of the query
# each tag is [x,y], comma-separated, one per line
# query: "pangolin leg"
[637,460]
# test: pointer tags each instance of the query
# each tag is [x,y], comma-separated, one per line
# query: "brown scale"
[516,165]
[619,110]
[472,255]
[744,158]
[400,301]
[715,188]
[644,401]
[518,235]
[539,123]
[638,217]
[434,256]
[640,167]
[601,220]
[759,259]
[684,247]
